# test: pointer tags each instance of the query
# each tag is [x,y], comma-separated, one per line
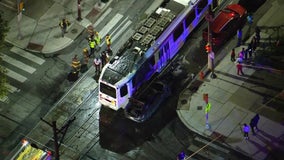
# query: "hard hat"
[85,50]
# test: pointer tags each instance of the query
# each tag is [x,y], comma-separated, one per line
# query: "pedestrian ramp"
[20,65]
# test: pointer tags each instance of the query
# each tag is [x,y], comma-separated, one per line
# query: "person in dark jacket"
[253,123]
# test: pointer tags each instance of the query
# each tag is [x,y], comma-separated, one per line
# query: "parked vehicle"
[226,24]
[142,107]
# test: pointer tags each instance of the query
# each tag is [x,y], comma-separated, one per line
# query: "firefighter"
[76,65]
[108,42]
[84,66]
[86,55]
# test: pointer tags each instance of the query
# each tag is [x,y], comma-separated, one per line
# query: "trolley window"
[123,90]
[190,17]
[178,31]
[108,90]
[201,5]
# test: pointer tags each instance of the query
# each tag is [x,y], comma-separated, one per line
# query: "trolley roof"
[131,56]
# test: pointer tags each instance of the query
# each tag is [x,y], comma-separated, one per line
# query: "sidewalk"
[39,27]
[234,101]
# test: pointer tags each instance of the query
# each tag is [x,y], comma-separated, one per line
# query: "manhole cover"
[74,30]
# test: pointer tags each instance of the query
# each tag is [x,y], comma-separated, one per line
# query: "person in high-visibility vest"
[108,42]
[76,65]
[97,38]
[92,45]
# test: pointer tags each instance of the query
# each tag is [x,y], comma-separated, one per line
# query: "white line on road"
[17,63]
[128,23]
[110,24]
[15,75]
[102,17]
[27,55]
[12,89]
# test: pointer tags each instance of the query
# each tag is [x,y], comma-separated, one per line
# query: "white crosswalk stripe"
[27,55]
[12,89]
[15,75]
[102,17]
[17,63]
[15,67]
[110,24]
[122,29]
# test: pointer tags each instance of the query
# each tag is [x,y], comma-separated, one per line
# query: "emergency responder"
[97,64]
[104,58]
[76,65]
[84,66]
[97,38]
[92,45]
[63,24]
[86,55]
[108,42]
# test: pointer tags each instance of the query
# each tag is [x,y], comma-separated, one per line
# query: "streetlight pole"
[20,6]
[211,54]
[79,18]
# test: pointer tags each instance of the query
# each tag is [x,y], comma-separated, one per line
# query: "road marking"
[4,99]
[102,17]
[12,89]
[110,24]
[128,23]
[17,63]
[15,75]
[27,55]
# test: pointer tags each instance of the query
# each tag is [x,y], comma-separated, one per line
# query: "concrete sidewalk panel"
[36,8]
[231,121]
[206,88]
[55,42]
[27,26]
[74,30]
[53,16]
[220,95]
[270,15]
[244,97]
[217,115]
[40,34]
[271,129]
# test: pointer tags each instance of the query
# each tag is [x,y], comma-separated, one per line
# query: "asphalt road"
[107,134]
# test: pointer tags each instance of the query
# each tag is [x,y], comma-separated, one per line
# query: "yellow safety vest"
[98,40]
[92,44]
[108,42]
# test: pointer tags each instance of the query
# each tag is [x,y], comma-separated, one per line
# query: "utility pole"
[209,48]
[63,131]
[79,18]
[20,6]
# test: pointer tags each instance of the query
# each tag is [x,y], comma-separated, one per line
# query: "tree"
[3,79]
